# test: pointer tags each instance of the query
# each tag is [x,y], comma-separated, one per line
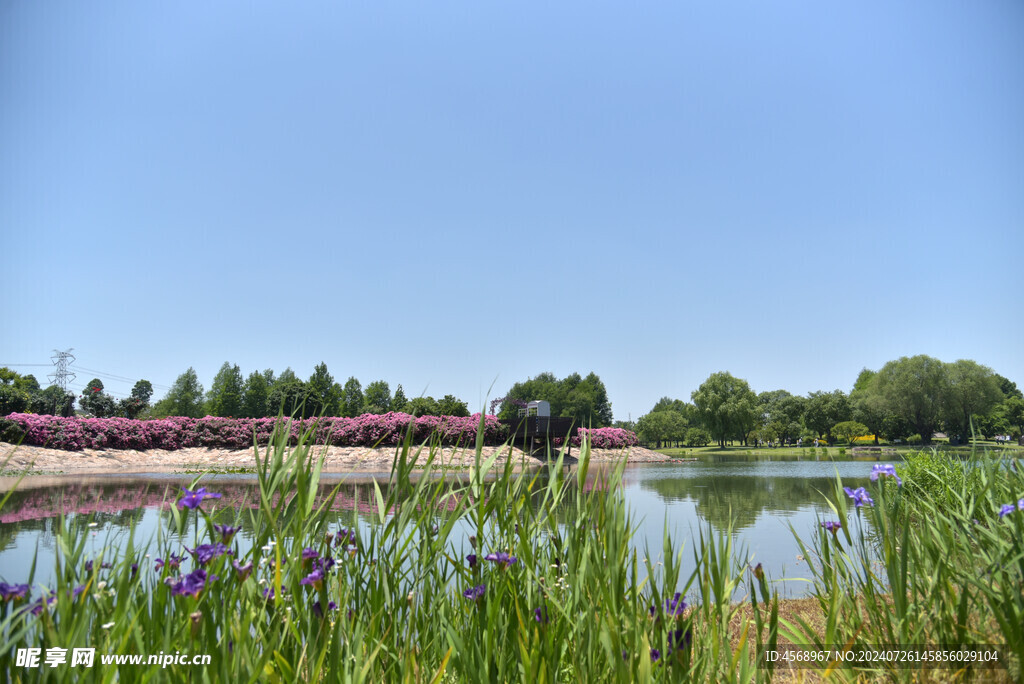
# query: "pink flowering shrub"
[75,434]
[607,438]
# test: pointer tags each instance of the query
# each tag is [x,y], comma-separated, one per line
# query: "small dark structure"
[534,429]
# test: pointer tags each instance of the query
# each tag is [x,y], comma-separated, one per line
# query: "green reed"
[412,596]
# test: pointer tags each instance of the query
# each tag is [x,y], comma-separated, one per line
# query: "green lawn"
[835,451]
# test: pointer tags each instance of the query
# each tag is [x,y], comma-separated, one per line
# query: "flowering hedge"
[74,434]
[603,438]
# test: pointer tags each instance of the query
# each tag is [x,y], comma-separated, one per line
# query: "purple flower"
[13,592]
[227,532]
[171,562]
[191,584]
[474,593]
[268,593]
[331,605]
[194,499]
[309,553]
[678,639]
[74,593]
[832,526]
[502,558]
[655,655]
[675,606]
[314,579]
[471,559]
[860,496]
[886,470]
[541,615]
[243,571]
[204,553]
[1006,509]
[39,604]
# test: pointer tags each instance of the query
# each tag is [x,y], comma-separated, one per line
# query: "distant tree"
[377,398]
[185,398]
[658,427]
[422,406]
[972,391]
[256,395]
[323,398]
[449,405]
[1008,387]
[225,396]
[399,402]
[288,394]
[780,414]
[697,437]
[585,400]
[53,401]
[849,430]
[824,409]
[352,398]
[1013,413]
[726,407]
[914,389]
[95,401]
[143,390]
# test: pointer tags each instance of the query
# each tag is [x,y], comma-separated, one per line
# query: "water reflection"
[762,499]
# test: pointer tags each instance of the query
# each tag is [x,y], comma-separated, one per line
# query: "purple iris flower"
[314,579]
[194,499]
[268,593]
[192,584]
[37,607]
[474,593]
[1006,509]
[674,607]
[204,553]
[541,615]
[13,592]
[227,532]
[655,655]
[502,558]
[76,591]
[471,559]
[243,571]
[346,535]
[678,639]
[172,561]
[832,526]
[331,605]
[860,496]
[886,470]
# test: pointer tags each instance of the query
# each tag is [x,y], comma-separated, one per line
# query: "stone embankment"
[39,460]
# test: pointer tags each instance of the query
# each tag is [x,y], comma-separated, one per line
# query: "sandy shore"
[42,461]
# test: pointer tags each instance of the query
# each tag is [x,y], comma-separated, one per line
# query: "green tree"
[13,399]
[449,405]
[377,398]
[96,402]
[399,402]
[288,394]
[1013,413]
[726,407]
[849,430]
[914,389]
[780,414]
[973,391]
[662,426]
[256,395]
[143,390]
[352,398]
[323,398]
[585,400]
[225,396]
[422,406]
[185,398]
[825,409]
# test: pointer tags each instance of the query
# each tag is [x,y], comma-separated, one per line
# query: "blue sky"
[450,195]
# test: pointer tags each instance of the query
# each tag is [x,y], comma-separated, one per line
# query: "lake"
[763,498]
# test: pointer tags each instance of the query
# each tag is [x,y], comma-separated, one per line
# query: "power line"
[119,378]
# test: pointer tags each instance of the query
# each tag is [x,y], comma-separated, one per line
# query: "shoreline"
[40,461]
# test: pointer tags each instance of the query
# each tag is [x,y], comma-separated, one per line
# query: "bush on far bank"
[389,429]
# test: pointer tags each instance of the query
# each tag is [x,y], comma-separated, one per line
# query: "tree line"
[911,397]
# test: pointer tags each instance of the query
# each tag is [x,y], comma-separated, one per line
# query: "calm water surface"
[763,498]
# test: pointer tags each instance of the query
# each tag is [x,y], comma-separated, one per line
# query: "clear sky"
[448,195]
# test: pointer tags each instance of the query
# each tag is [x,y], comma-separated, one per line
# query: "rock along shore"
[42,461]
